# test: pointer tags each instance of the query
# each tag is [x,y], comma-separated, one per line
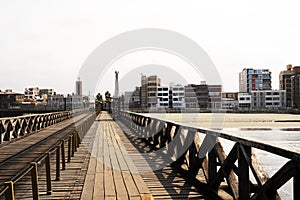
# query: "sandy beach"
[232,120]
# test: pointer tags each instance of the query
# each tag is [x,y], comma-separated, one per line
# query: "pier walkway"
[83,157]
[116,169]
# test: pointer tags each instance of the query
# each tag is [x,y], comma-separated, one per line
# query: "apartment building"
[163,97]
[268,99]
[176,97]
[191,101]
[254,79]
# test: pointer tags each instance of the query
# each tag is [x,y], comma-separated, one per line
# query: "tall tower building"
[295,82]
[143,91]
[79,87]
[149,87]
[254,79]
[285,83]
[152,84]
[116,84]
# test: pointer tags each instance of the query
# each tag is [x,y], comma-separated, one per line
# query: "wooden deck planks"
[116,175]
[108,166]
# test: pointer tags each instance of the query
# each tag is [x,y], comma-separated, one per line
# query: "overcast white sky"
[44,43]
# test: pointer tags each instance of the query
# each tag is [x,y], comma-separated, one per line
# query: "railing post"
[34,181]
[9,193]
[69,149]
[78,137]
[243,171]
[75,141]
[297,184]
[63,158]
[212,165]
[57,162]
[73,144]
[48,173]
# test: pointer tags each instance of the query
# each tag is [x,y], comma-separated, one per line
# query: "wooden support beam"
[34,181]
[243,173]
[69,148]
[283,175]
[296,183]
[57,162]
[48,173]
[226,170]
[63,158]
[10,192]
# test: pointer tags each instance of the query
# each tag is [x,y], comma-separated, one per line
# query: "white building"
[244,100]
[162,97]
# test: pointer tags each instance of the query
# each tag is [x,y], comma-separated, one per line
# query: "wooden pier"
[117,158]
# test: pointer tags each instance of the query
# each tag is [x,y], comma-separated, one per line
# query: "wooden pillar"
[244,154]
[69,149]
[48,173]
[212,165]
[63,158]
[9,193]
[57,162]
[297,184]
[34,181]
[73,144]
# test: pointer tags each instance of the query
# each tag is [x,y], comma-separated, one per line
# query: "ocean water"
[262,127]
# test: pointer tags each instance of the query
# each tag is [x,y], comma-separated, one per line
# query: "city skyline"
[43,45]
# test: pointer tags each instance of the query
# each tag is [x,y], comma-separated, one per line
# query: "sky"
[45,43]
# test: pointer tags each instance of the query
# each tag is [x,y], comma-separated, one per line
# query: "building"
[254,79]
[202,94]
[162,97]
[148,94]
[132,99]
[74,102]
[10,99]
[144,91]
[230,100]
[289,81]
[244,100]
[190,97]
[285,83]
[79,87]
[268,99]
[56,102]
[295,89]
[215,96]
[47,92]
[176,97]
[32,93]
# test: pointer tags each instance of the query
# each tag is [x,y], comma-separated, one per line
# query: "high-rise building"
[152,84]
[295,89]
[285,83]
[289,81]
[254,79]
[79,87]
[149,87]
[144,91]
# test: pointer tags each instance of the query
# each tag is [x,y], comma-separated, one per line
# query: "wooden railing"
[234,168]
[15,127]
